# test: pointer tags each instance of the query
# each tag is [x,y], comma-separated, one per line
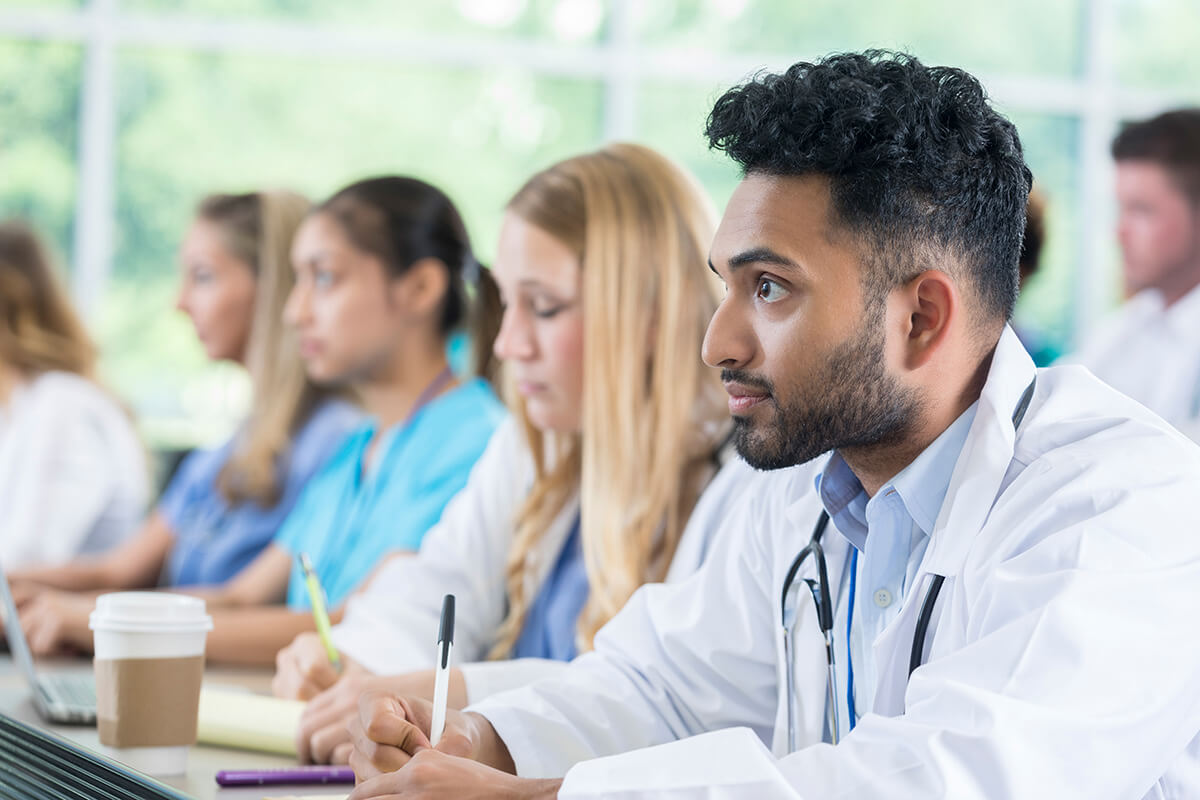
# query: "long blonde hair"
[258,229]
[39,329]
[653,414]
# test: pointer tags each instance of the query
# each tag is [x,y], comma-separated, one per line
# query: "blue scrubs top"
[347,521]
[213,540]
[549,630]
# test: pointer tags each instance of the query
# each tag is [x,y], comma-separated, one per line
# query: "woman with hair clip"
[385,276]
[597,486]
[224,505]
[73,477]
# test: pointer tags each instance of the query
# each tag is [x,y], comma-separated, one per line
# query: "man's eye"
[322,279]
[769,291]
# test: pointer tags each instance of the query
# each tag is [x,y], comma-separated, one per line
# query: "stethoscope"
[823,604]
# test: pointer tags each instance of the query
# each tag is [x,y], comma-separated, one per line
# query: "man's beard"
[850,402]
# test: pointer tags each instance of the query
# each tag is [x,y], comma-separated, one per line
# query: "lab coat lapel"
[974,485]
[984,461]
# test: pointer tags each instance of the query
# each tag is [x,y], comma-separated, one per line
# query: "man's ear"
[421,289]
[930,302]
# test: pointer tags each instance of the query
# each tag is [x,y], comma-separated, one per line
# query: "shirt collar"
[1183,318]
[921,486]
[1146,308]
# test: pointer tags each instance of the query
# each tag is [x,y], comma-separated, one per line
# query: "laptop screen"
[16,637]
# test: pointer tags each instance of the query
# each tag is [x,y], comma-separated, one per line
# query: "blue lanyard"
[849,623]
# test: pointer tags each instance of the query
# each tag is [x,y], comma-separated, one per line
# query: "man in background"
[1150,347]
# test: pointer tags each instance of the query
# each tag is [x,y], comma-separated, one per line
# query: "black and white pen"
[441,681]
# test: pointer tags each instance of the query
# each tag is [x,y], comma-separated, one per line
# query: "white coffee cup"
[149,664]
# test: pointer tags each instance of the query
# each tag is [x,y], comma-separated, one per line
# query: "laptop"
[66,698]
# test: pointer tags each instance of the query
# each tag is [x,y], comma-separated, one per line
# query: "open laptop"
[68,698]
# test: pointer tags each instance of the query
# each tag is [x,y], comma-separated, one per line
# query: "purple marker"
[272,777]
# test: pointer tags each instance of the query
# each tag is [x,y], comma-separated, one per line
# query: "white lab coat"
[391,627]
[1152,354]
[1062,659]
[73,474]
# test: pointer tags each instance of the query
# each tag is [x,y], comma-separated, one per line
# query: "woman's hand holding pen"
[303,671]
[323,737]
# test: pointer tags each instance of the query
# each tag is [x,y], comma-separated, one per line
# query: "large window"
[117,115]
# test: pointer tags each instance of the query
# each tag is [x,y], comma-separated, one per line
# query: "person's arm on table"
[135,564]
[54,602]
[56,622]
[253,636]
[262,582]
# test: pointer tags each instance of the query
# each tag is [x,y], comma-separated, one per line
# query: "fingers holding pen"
[387,732]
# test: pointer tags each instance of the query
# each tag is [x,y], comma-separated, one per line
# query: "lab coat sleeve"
[68,481]
[486,678]
[1073,669]
[391,625]
[656,675]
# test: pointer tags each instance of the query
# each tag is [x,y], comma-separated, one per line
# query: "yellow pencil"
[316,596]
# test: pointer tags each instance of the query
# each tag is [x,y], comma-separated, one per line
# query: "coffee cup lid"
[149,612]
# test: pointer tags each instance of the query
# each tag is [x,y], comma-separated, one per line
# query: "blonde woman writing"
[224,505]
[73,476]
[594,490]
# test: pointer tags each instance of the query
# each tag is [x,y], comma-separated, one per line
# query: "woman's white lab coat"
[391,627]
[1062,660]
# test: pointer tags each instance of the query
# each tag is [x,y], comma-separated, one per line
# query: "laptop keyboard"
[71,690]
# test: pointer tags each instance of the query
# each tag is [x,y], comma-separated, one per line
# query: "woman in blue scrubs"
[384,277]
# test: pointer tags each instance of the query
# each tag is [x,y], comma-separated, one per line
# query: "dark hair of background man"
[1171,140]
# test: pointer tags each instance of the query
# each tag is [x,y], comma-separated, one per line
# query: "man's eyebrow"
[762,255]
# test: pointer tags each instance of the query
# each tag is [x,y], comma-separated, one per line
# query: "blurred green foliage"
[1016,37]
[39,102]
[563,20]
[1157,47]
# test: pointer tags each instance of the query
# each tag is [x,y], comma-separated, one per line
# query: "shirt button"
[883,598]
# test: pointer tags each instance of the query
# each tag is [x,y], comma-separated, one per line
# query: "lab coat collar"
[985,458]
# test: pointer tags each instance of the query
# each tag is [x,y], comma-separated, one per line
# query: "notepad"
[248,721]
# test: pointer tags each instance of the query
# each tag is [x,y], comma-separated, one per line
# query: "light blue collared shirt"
[891,532]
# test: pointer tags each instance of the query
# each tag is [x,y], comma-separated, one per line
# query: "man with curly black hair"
[995,601]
